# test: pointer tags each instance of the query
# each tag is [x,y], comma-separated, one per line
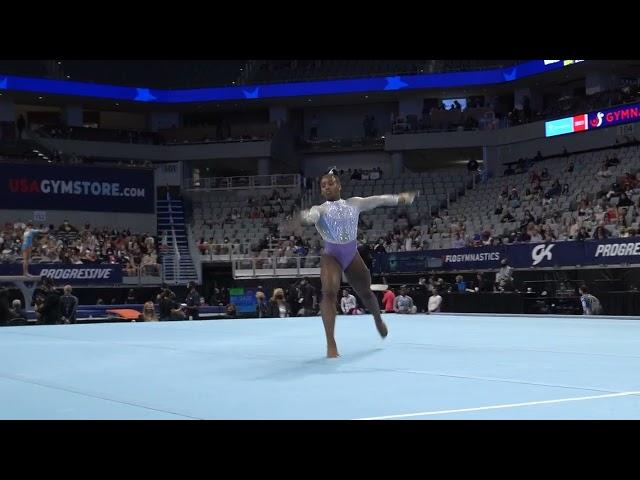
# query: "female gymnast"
[337,222]
[27,245]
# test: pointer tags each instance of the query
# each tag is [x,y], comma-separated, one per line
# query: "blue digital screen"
[279,90]
[558,127]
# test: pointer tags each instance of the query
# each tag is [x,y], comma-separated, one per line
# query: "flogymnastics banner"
[53,187]
[619,251]
[98,274]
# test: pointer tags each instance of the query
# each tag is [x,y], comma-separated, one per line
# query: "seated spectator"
[614,191]
[16,311]
[601,233]
[458,241]
[230,311]
[574,227]
[624,201]
[545,175]
[67,227]
[555,189]
[203,246]
[590,304]
[507,218]
[348,304]
[404,303]
[535,236]
[604,171]
[534,176]
[435,302]
[149,312]
[262,308]
[481,285]
[570,167]
[504,276]
[582,234]
[611,215]
[612,161]
[388,300]
[380,246]
[486,239]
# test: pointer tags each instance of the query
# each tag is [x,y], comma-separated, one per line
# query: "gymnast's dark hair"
[333,171]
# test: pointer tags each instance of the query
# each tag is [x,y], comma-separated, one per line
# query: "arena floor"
[430,367]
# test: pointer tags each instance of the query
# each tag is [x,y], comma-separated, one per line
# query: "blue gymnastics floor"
[429,367]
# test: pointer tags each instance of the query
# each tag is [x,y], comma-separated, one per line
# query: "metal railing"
[176,250]
[226,252]
[274,266]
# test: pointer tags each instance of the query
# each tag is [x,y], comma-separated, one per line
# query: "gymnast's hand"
[407,198]
[306,217]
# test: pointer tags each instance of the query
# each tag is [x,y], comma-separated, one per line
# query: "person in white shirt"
[435,301]
[348,303]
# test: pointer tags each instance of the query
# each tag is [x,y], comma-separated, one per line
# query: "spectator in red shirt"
[387,300]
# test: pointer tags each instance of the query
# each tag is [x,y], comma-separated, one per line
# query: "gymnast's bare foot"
[382,328]
[332,351]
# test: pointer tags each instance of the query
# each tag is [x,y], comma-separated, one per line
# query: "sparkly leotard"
[27,237]
[337,223]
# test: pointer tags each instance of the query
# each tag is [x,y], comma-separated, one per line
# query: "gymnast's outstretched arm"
[369,203]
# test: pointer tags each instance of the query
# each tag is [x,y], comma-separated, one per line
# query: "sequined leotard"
[27,237]
[337,223]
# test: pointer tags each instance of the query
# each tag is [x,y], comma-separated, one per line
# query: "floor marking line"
[506,405]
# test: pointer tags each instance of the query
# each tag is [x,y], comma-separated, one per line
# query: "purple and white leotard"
[337,223]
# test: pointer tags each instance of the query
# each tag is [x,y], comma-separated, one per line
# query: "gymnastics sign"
[89,274]
[594,120]
[49,187]
[619,251]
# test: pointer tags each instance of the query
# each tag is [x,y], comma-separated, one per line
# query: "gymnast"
[337,222]
[27,245]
